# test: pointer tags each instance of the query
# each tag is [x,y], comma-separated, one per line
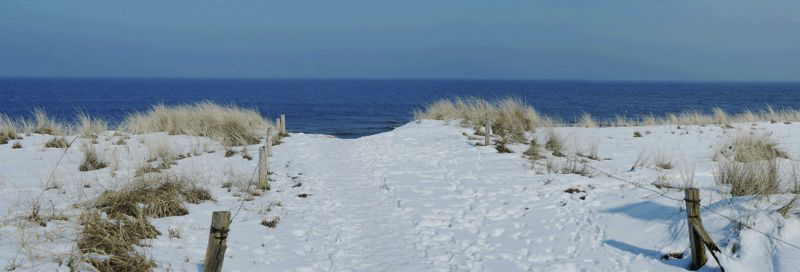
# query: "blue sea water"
[353,108]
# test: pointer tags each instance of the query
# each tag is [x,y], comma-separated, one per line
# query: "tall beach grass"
[509,117]
[228,124]
[514,115]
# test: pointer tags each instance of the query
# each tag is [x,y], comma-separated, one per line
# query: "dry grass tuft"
[587,121]
[501,147]
[229,152]
[509,117]
[748,178]
[89,127]
[561,166]
[662,160]
[246,154]
[554,143]
[156,196]
[228,124]
[749,148]
[593,151]
[56,142]
[120,222]
[8,130]
[44,124]
[534,151]
[196,195]
[115,240]
[270,223]
[160,149]
[749,165]
[91,160]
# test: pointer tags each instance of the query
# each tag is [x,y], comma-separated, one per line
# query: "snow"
[423,197]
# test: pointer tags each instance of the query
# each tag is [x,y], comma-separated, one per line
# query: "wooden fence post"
[487,131]
[283,123]
[698,236]
[263,183]
[699,257]
[215,252]
[268,143]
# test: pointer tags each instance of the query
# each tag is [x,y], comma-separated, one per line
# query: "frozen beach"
[424,197]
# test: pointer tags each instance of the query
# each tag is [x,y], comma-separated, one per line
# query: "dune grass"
[8,131]
[92,159]
[228,124]
[88,127]
[44,124]
[509,117]
[750,165]
[757,178]
[513,115]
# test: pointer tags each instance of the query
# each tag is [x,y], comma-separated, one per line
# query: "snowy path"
[395,202]
[351,222]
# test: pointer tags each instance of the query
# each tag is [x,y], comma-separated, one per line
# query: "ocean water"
[354,108]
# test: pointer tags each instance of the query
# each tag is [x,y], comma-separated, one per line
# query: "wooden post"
[278,125]
[487,131]
[283,123]
[215,252]
[699,257]
[263,183]
[268,143]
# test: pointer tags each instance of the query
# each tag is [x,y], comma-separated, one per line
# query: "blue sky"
[594,40]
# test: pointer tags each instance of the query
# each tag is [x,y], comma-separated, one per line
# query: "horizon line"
[401,79]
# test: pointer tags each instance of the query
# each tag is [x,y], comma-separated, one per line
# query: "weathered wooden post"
[215,252]
[487,131]
[263,182]
[699,257]
[268,143]
[283,123]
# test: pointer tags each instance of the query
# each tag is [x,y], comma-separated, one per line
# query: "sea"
[351,108]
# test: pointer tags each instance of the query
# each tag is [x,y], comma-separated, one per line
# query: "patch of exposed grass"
[270,223]
[534,151]
[573,167]
[748,178]
[115,240]
[749,164]
[554,143]
[91,160]
[748,148]
[662,161]
[229,152]
[56,142]
[154,196]
[500,146]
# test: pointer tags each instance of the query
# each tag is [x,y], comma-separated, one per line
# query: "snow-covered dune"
[423,197]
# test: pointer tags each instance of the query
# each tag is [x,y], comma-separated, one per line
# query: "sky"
[458,39]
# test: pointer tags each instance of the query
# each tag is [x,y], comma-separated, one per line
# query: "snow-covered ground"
[423,197]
